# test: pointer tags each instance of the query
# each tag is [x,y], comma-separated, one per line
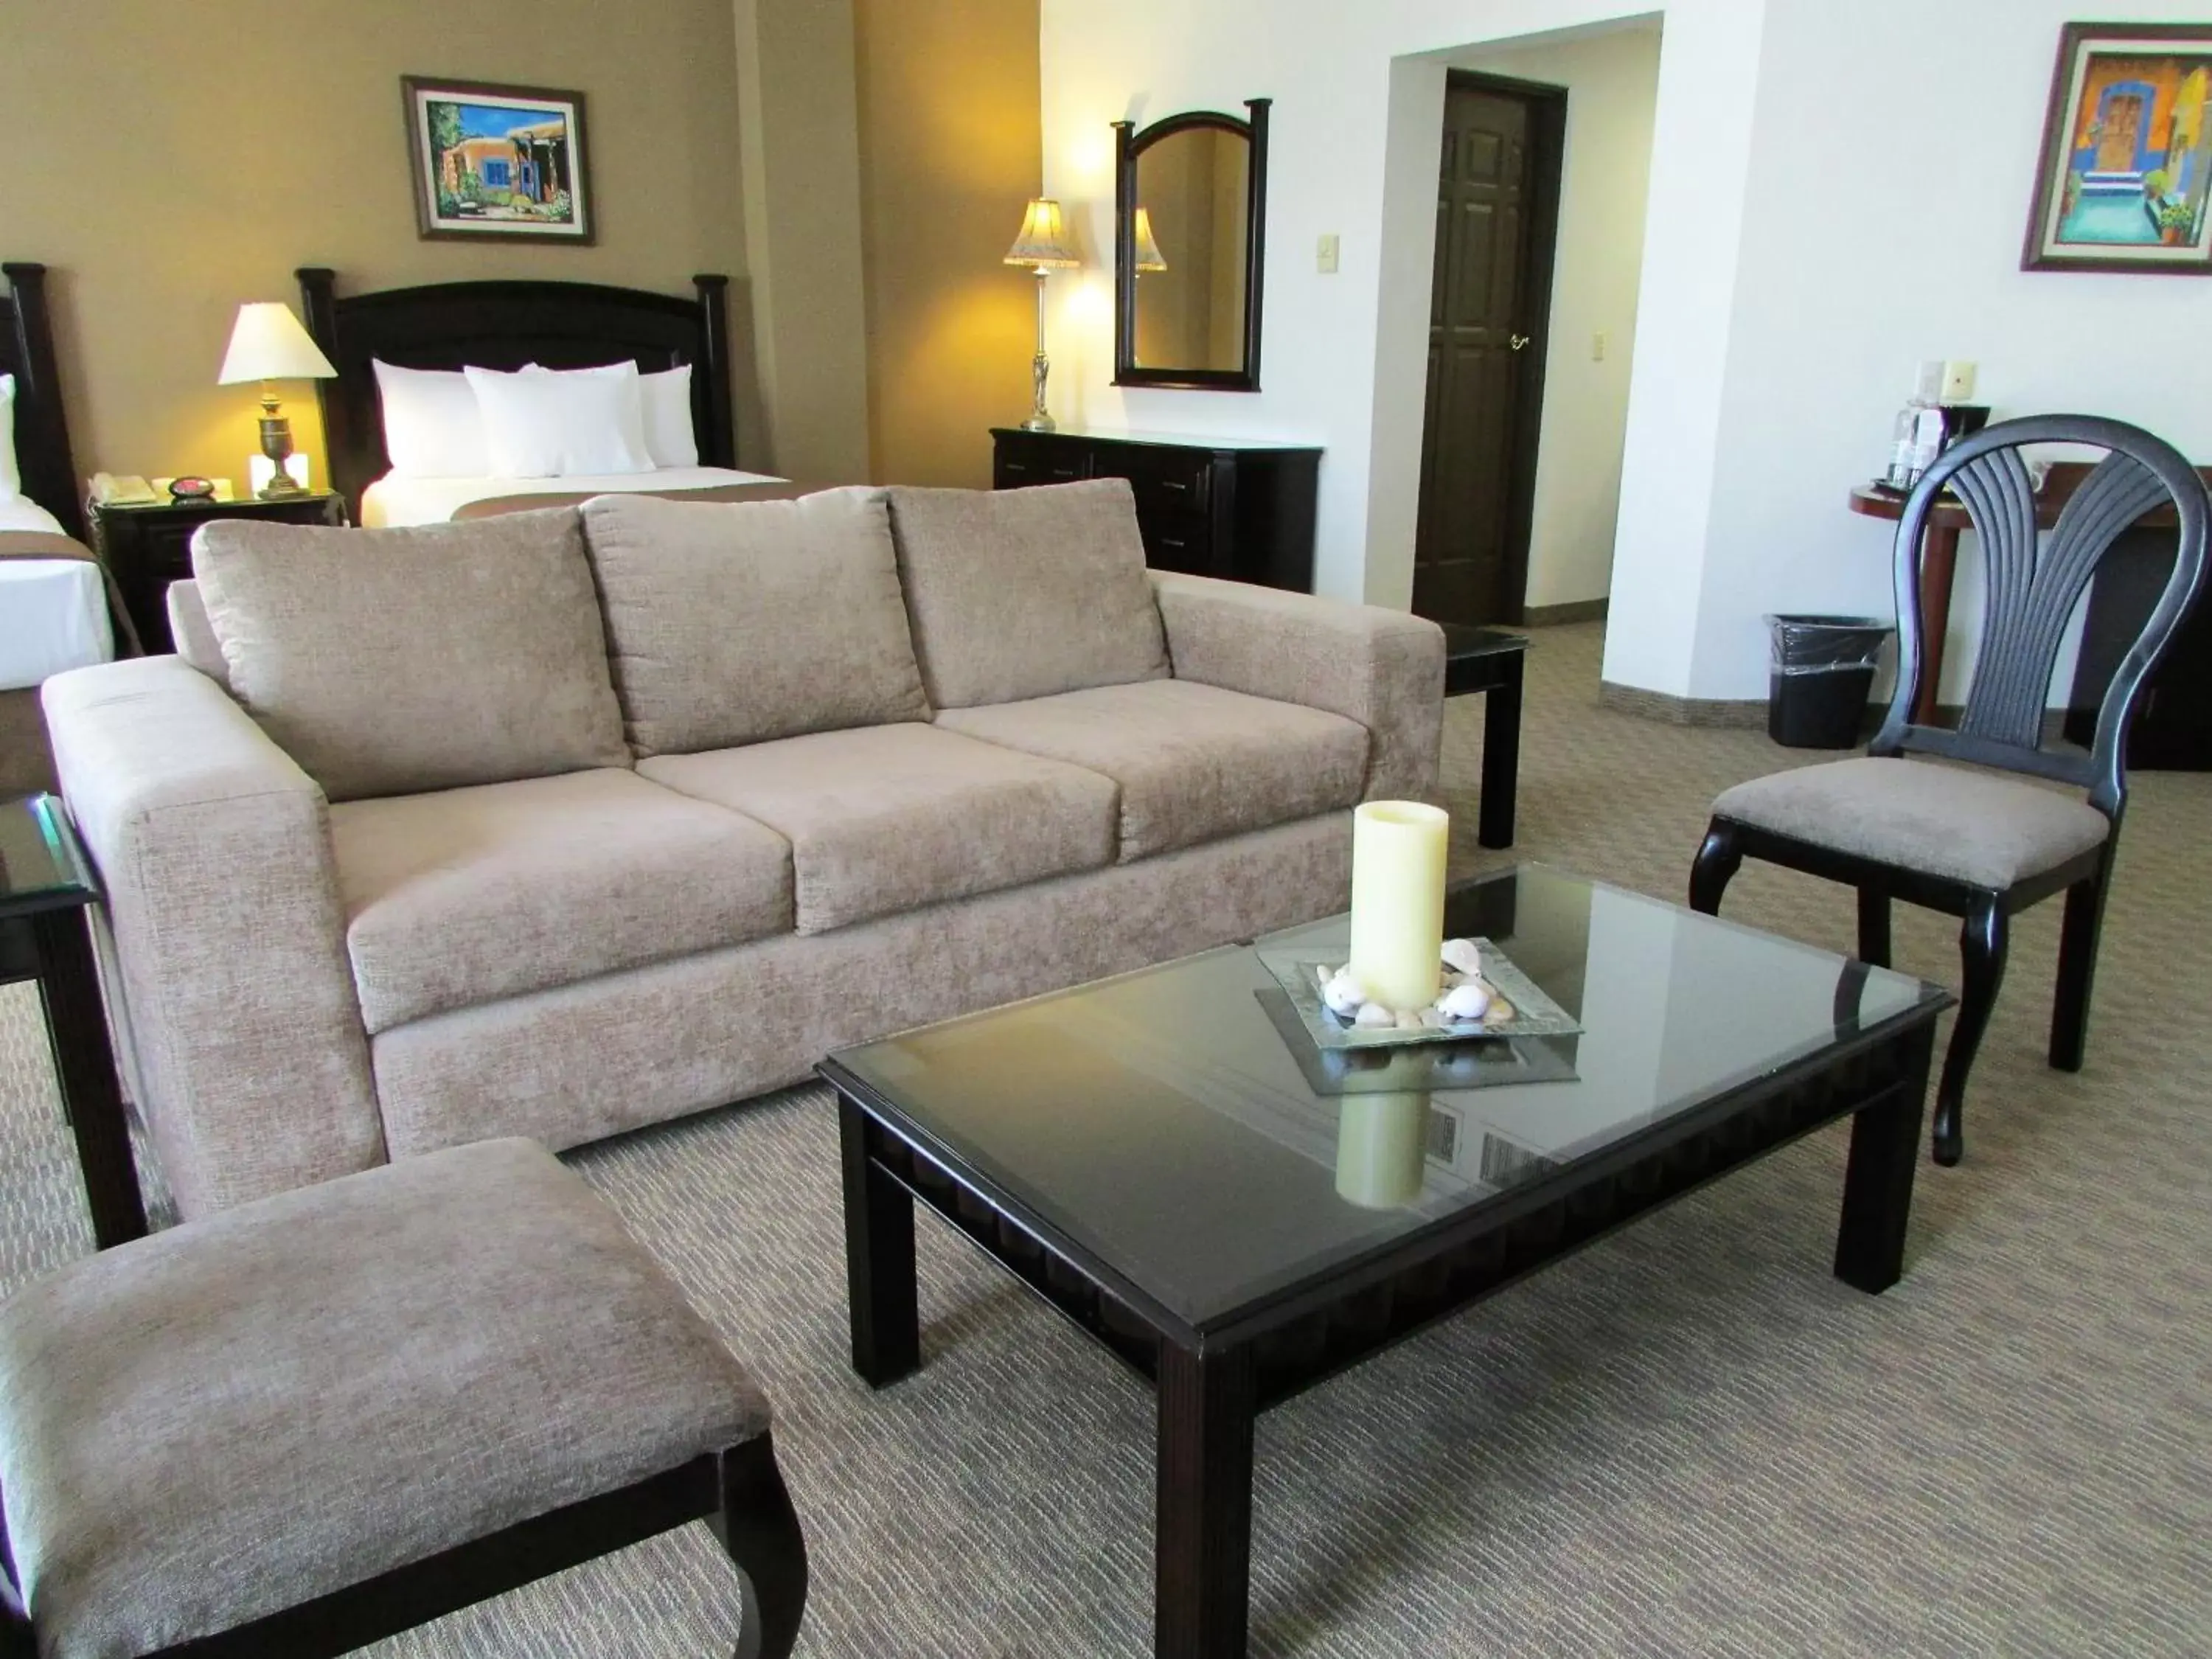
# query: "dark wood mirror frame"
[1129,144]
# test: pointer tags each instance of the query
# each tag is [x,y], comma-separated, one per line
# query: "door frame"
[1547,145]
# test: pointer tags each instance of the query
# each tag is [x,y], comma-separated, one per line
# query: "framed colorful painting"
[498,161]
[2126,170]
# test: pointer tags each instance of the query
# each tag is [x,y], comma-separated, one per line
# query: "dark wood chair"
[303,1425]
[1977,841]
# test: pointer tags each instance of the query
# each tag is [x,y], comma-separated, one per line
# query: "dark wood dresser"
[148,546]
[1241,510]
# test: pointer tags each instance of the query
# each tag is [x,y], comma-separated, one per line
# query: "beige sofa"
[565,822]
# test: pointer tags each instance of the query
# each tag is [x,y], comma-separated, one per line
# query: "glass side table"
[1489,659]
[47,891]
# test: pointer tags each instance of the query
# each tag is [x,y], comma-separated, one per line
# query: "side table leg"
[878,1259]
[77,1028]
[1202,1540]
[1878,1180]
[1501,756]
[1939,562]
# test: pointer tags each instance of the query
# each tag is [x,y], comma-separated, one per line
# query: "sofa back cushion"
[735,623]
[388,662]
[1020,593]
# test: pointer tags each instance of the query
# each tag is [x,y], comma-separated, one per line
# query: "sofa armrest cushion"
[1382,668]
[213,853]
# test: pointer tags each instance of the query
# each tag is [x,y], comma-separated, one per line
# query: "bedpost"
[318,306]
[710,388]
[42,442]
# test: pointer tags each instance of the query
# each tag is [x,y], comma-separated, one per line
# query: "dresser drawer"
[1020,460]
[1177,541]
[1166,480]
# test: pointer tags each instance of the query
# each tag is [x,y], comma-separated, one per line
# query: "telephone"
[122,489]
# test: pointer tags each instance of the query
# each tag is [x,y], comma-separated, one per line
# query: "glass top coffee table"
[1237,1215]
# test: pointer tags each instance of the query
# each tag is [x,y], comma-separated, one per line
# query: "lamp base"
[1040,423]
[277,445]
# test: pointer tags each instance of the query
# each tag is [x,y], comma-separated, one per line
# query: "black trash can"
[1819,679]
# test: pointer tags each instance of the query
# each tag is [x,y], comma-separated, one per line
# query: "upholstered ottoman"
[303,1424]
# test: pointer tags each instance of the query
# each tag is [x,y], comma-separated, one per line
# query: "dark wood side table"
[146,546]
[46,892]
[1489,661]
[1939,562]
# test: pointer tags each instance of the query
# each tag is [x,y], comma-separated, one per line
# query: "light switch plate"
[1325,255]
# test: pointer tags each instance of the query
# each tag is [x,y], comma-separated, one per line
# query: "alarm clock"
[191,489]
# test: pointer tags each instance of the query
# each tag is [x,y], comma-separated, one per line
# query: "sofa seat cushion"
[205,1427]
[739,622]
[1195,762]
[464,896]
[887,819]
[1020,593]
[390,661]
[1984,828]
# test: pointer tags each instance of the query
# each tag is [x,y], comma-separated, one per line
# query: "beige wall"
[949,155]
[169,168]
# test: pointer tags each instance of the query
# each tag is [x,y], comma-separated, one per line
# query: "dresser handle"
[1170,483]
[1169,541]
[1063,472]
[1015,466]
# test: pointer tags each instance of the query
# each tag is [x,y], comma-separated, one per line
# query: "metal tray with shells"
[1305,974]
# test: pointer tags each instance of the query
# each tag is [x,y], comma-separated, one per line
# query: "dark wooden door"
[1496,215]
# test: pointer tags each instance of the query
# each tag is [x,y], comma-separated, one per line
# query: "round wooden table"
[1939,560]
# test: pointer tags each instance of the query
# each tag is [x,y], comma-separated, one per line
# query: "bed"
[507,326]
[54,599]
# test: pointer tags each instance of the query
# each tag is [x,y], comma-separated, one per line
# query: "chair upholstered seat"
[1984,829]
[462,896]
[1195,762]
[211,1424]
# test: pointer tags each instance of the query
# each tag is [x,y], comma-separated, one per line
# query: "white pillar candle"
[1378,1149]
[1398,850]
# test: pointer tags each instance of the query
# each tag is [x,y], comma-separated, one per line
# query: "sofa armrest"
[237,1000]
[1382,668]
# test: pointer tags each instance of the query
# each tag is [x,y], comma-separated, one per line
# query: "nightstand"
[146,546]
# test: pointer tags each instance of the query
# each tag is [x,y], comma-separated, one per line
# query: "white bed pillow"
[431,426]
[11,478]
[669,435]
[543,424]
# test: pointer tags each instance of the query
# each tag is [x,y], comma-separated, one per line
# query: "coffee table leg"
[1501,756]
[1203,1529]
[878,1259]
[1878,1180]
[84,1065]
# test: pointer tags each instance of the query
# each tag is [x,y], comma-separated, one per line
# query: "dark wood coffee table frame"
[1213,1380]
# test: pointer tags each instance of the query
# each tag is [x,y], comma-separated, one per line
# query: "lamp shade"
[268,344]
[1043,240]
[1148,257]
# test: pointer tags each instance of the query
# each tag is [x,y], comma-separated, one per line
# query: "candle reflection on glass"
[1380,1140]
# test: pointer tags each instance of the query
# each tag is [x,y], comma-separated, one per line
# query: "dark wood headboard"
[506,324]
[42,441]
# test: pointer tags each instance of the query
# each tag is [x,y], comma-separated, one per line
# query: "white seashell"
[1462,954]
[1500,1012]
[1374,1017]
[1464,1002]
[1408,1020]
[1342,996]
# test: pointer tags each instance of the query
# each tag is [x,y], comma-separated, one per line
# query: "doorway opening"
[1500,169]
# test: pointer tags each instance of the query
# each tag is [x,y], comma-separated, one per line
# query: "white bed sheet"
[21,513]
[53,616]
[392,501]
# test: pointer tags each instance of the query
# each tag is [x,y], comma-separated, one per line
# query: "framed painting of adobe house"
[493,161]
[2125,175]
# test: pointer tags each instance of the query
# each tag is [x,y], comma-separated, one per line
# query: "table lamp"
[268,344]
[1148,257]
[1043,245]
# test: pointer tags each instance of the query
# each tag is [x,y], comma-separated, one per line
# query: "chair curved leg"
[1982,945]
[1717,861]
[2077,969]
[760,1533]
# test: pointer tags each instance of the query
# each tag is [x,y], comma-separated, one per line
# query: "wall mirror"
[1190,217]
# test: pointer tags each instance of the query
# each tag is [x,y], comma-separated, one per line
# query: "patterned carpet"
[1689,1440]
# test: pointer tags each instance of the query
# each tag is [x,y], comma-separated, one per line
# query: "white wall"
[1836,191]
[1613,88]
[1894,156]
